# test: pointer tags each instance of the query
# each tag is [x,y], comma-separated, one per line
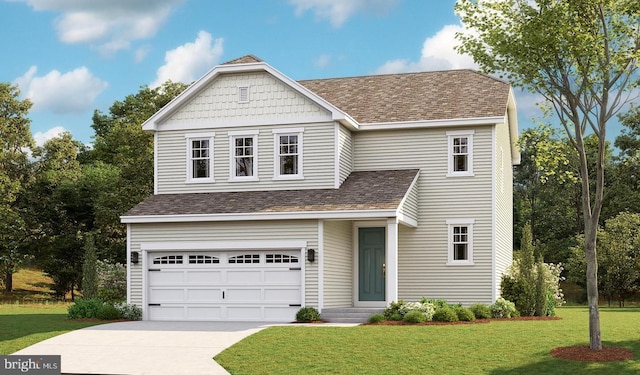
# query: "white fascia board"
[357,214]
[200,125]
[222,245]
[472,121]
[406,220]
[512,121]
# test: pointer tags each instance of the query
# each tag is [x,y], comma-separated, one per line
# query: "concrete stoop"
[354,315]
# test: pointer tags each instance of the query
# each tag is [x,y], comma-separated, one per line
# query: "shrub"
[445,314]
[426,308]
[84,308]
[393,309]
[112,282]
[503,308]
[395,317]
[435,302]
[108,312]
[415,316]
[307,314]
[129,311]
[376,318]
[464,314]
[481,311]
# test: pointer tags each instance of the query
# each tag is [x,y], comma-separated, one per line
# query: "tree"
[15,176]
[89,268]
[581,57]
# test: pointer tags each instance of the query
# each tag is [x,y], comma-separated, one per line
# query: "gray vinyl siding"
[346,153]
[318,160]
[504,204]
[269,100]
[410,205]
[423,251]
[306,230]
[338,264]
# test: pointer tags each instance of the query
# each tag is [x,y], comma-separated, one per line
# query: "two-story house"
[272,194]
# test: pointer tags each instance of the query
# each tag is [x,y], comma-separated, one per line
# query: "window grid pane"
[460,242]
[200,158]
[288,154]
[243,155]
[460,154]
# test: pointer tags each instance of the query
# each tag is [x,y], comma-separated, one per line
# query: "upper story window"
[288,153]
[199,157]
[460,241]
[244,155]
[460,152]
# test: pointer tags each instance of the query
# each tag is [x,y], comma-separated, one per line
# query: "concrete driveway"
[145,347]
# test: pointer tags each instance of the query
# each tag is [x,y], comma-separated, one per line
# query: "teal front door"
[371,264]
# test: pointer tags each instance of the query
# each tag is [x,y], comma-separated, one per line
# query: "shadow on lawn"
[551,365]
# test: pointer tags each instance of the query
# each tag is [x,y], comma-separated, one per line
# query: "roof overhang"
[153,122]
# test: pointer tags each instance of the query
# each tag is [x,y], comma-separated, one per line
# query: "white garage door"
[241,286]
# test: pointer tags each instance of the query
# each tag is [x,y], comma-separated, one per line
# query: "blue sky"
[71,57]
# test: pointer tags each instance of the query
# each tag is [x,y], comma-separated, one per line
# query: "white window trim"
[193,136]
[458,134]
[276,151]
[248,91]
[460,223]
[232,166]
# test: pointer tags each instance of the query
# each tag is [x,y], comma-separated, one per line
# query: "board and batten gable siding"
[304,230]
[270,100]
[504,204]
[338,263]
[318,160]
[423,251]
[345,153]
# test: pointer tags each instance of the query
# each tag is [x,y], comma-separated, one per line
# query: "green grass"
[499,347]
[24,325]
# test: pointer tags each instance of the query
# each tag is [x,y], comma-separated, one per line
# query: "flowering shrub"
[129,311]
[426,308]
[503,308]
[112,281]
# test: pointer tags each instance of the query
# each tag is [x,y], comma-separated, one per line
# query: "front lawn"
[499,347]
[25,325]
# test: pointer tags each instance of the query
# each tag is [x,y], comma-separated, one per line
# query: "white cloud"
[73,91]
[111,25]
[438,53]
[323,61]
[338,11]
[40,138]
[141,53]
[190,60]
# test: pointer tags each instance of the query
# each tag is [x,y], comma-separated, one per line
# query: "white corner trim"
[320,261]
[129,263]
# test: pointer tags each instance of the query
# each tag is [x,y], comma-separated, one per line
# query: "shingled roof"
[437,95]
[375,190]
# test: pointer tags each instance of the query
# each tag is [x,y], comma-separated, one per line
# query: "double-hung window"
[200,157]
[460,241]
[243,156]
[460,152]
[288,153]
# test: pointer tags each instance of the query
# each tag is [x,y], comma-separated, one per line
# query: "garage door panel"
[166,312]
[244,277]
[204,295]
[195,277]
[165,295]
[244,313]
[204,313]
[243,295]
[285,295]
[282,277]
[166,277]
[287,314]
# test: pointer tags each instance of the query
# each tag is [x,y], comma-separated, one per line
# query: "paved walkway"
[145,347]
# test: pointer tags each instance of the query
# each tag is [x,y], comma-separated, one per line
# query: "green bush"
[129,311]
[464,314]
[307,314]
[481,311]
[503,309]
[396,317]
[108,312]
[445,314]
[435,302]
[393,309]
[84,308]
[415,316]
[376,318]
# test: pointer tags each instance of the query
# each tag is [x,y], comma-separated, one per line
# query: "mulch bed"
[583,353]
[477,321]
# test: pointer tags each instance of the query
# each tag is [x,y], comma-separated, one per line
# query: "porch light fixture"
[134,258]
[311,255]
